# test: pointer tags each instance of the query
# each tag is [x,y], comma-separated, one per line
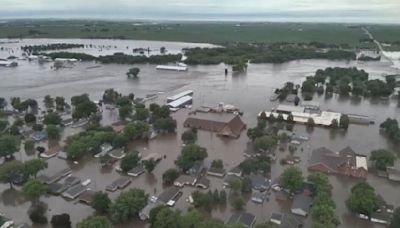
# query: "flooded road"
[250,92]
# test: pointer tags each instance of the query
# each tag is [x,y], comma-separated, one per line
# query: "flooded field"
[250,92]
[97,47]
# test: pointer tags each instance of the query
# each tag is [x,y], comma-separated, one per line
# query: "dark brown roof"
[331,159]
[225,124]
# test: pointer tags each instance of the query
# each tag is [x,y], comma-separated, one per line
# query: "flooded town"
[199,114]
[221,109]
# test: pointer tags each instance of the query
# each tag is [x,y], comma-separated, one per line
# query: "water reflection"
[12,197]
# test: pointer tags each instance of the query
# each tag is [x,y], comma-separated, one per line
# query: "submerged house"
[301,204]
[345,162]
[393,172]
[244,219]
[224,124]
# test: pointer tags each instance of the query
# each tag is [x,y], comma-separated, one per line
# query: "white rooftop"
[179,95]
[361,162]
[179,102]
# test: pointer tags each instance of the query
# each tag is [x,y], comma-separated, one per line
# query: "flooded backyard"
[250,92]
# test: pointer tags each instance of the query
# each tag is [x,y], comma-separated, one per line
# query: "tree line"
[262,53]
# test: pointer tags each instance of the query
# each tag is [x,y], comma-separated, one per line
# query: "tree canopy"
[94,222]
[8,145]
[382,159]
[101,202]
[189,154]
[292,179]
[362,199]
[127,205]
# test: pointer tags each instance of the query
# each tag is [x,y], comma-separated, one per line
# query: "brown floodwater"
[250,92]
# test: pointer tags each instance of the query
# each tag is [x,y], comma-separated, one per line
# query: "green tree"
[30,118]
[142,114]
[61,221]
[246,185]
[60,103]
[265,143]
[9,171]
[222,197]
[48,101]
[344,121]
[189,154]
[52,118]
[53,132]
[29,146]
[133,72]
[167,218]
[203,201]
[189,136]
[94,222]
[110,96]
[149,165]
[382,159]
[125,111]
[83,106]
[238,203]
[37,127]
[396,219]
[170,176]
[33,166]
[127,205]
[217,164]
[235,185]
[136,130]
[129,161]
[310,123]
[33,189]
[101,202]
[292,179]
[362,199]
[165,124]
[8,145]
[153,107]
[153,214]
[120,141]
[334,124]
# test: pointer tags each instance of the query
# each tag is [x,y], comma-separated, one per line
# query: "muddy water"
[250,92]
[98,47]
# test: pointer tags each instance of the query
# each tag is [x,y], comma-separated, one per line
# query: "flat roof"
[361,162]
[179,95]
[179,102]
[289,108]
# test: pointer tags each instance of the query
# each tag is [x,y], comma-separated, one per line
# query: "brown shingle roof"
[225,124]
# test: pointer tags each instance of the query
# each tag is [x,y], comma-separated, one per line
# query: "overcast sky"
[370,11]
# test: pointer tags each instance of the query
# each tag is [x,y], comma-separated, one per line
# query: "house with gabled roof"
[345,162]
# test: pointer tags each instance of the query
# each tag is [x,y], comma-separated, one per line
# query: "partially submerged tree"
[94,222]
[101,202]
[133,72]
[362,199]
[292,179]
[10,171]
[33,189]
[127,205]
[382,159]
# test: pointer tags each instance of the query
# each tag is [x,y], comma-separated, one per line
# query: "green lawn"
[187,32]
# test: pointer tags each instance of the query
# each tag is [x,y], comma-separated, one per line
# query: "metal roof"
[177,103]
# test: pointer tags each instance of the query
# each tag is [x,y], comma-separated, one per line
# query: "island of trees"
[346,81]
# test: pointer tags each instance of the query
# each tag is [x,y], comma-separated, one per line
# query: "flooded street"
[250,92]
